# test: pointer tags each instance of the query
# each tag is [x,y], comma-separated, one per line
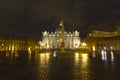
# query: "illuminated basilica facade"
[52,40]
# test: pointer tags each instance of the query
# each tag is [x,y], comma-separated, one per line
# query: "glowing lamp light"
[84,44]
[77,46]
[90,34]
[93,48]
[48,46]
[2,45]
[105,48]
[111,47]
[42,44]
[84,59]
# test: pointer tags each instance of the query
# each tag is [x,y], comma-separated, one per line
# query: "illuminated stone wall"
[118,30]
[104,40]
[53,40]
[103,43]
[17,45]
[97,33]
[100,33]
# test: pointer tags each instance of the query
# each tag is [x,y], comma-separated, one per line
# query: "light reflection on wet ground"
[60,66]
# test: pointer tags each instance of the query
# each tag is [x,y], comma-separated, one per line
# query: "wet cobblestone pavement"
[64,66]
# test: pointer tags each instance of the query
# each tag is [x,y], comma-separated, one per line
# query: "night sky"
[32,17]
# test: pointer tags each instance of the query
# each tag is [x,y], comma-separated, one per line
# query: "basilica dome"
[58,30]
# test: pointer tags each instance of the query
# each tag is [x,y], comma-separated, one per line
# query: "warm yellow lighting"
[50,35]
[29,56]
[29,50]
[53,35]
[104,48]
[77,46]
[90,34]
[40,42]
[77,43]
[9,47]
[76,57]
[84,57]
[84,63]
[84,44]
[16,53]
[76,31]
[67,35]
[54,54]
[48,46]
[2,45]
[93,48]
[111,47]
[12,47]
[44,59]
[45,33]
